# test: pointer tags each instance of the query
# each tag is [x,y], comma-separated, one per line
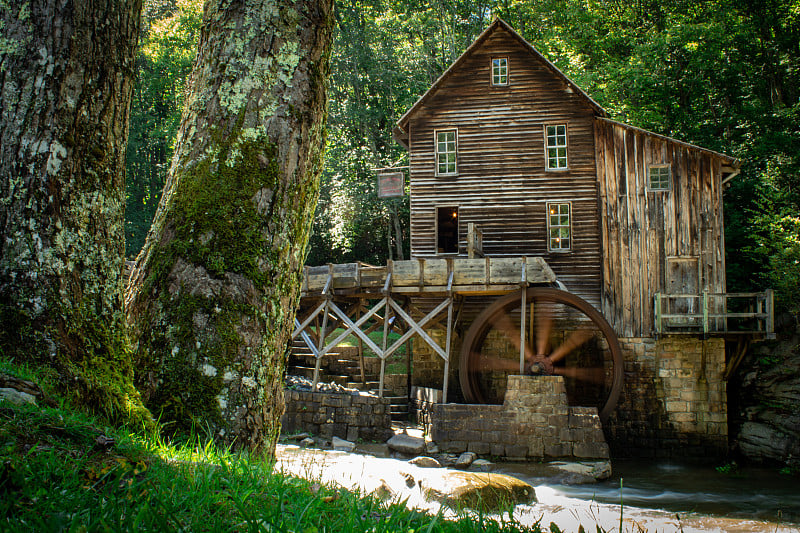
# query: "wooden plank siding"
[502,185]
[643,230]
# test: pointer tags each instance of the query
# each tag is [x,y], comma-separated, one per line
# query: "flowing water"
[669,497]
[654,496]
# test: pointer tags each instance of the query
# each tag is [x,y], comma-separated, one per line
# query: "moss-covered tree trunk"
[214,290]
[66,75]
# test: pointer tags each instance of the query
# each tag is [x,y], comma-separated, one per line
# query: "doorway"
[447,230]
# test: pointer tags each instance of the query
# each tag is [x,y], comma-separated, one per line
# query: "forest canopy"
[723,74]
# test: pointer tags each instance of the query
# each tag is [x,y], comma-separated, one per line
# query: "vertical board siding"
[642,228]
[502,185]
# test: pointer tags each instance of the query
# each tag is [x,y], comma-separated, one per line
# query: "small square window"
[556,140]
[446,143]
[499,71]
[659,177]
[559,230]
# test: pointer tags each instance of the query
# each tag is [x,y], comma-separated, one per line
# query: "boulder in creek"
[465,459]
[407,444]
[480,491]
[342,445]
[425,462]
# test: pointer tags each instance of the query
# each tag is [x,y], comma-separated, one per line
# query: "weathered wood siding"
[654,238]
[502,185]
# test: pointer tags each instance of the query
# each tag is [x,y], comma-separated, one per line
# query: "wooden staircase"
[342,368]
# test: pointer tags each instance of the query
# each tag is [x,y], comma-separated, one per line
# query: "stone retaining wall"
[674,401]
[534,422]
[344,415]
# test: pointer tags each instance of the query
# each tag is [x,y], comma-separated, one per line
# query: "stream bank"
[654,497]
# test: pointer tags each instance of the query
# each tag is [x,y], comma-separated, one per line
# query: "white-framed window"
[499,71]
[659,177]
[559,229]
[556,146]
[446,152]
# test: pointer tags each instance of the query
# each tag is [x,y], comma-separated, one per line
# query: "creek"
[655,496]
[668,497]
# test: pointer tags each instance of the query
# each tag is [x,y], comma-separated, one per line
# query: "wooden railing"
[474,241]
[745,313]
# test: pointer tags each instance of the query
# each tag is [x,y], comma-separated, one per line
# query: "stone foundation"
[674,401]
[534,422]
[347,416]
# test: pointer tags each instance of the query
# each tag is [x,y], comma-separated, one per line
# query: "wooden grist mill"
[548,239]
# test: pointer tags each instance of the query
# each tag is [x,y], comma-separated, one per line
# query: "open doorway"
[447,230]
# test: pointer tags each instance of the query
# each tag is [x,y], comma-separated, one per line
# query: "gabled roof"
[399,131]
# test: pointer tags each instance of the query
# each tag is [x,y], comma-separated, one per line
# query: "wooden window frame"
[551,227]
[436,208]
[436,152]
[499,69]
[565,146]
[659,166]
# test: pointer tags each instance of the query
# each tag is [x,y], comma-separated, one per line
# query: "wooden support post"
[361,349]
[320,344]
[657,306]
[386,317]
[449,335]
[705,313]
[408,369]
[770,314]
[361,360]
[523,308]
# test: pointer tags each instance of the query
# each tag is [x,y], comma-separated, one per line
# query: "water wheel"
[542,331]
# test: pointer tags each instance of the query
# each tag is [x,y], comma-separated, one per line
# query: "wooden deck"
[429,276]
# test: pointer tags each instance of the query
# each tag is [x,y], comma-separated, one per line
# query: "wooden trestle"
[417,291]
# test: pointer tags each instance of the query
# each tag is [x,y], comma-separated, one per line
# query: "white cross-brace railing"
[329,308]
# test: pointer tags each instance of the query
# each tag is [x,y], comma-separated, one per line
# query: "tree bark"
[214,290]
[66,75]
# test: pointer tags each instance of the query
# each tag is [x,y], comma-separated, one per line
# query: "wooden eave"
[730,165]
[400,131]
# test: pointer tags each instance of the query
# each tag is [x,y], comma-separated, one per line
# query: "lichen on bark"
[65,85]
[214,289]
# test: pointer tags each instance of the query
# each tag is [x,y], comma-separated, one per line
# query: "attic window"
[499,71]
[559,230]
[659,177]
[556,141]
[446,142]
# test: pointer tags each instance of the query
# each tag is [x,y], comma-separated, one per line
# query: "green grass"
[55,476]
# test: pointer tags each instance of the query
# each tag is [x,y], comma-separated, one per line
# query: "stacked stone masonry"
[674,401]
[534,422]
[347,416]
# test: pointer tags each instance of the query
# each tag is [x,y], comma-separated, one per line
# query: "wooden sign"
[391,185]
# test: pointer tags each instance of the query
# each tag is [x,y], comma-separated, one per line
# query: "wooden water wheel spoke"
[563,334]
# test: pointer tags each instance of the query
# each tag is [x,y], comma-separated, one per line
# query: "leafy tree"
[169,36]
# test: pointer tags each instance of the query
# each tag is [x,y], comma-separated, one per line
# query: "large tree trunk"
[66,70]
[214,290]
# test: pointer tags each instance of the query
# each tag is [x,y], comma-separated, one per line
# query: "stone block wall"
[428,366]
[674,400]
[534,422]
[327,414]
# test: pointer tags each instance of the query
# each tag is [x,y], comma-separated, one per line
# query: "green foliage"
[168,44]
[57,475]
[722,74]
